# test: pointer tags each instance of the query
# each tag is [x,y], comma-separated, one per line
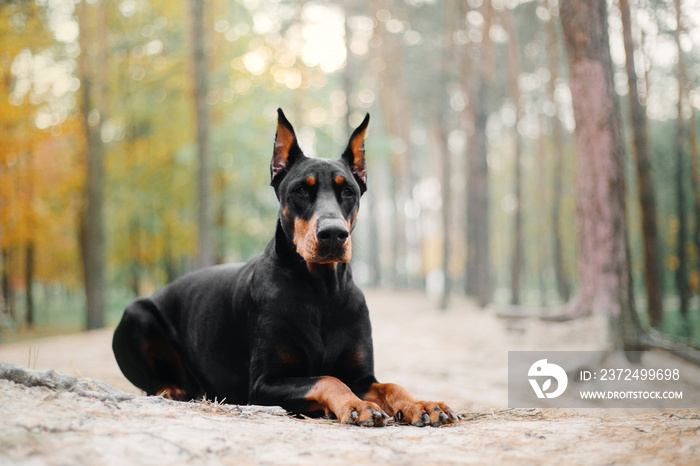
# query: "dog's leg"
[145,354]
[405,408]
[325,393]
[333,396]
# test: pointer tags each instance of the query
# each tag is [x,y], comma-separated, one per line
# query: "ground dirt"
[75,416]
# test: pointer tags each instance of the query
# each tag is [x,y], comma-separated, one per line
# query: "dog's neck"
[328,278]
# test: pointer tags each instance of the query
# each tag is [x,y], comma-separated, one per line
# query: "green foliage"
[401,70]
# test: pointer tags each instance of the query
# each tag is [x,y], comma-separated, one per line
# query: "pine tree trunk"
[605,284]
[441,139]
[205,256]
[440,130]
[29,279]
[682,239]
[92,225]
[652,264]
[478,273]
[514,90]
[7,294]
[394,102]
[560,274]
[28,192]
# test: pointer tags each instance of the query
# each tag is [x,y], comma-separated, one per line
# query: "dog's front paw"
[426,413]
[362,413]
[172,393]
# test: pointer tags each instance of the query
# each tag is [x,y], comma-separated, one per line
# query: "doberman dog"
[289,327]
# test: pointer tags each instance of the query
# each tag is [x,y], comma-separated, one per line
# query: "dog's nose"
[332,233]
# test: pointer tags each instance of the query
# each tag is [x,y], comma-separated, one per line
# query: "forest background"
[136,136]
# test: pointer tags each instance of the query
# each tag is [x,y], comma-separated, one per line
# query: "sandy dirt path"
[458,356]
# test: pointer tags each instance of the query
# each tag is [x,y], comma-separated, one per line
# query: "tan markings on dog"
[393,398]
[286,356]
[347,250]
[347,246]
[305,238]
[316,268]
[310,180]
[283,143]
[357,146]
[307,246]
[357,357]
[158,351]
[340,179]
[330,394]
[286,213]
[390,397]
[333,396]
[171,393]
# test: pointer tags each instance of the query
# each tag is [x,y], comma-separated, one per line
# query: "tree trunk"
[205,255]
[374,246]
[478,273]
[605,285]
[135,248]
[28,193]
[92,225]
[220,218]
[543,263]
[652,267]
[29,279]
[682,239]
[4,305]
[441,140]
[684,108]
[560,273]
[440,131]
[514,89]
[394,103]
[5,281]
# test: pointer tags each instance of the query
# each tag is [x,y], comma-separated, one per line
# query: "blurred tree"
[199,73]
[260,55]
[652,264]
[513,55]
[395,104]
[447,76]
[604,264]
[29,190]
[23,40]
[92,71]
[681,139]
[560,275]
[478,268]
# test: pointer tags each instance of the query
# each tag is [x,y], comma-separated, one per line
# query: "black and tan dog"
[288,328]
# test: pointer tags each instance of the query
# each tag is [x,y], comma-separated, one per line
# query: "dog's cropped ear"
[354,154]
[286,149]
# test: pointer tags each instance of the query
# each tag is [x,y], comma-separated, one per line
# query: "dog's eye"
[301,191]
[347,192]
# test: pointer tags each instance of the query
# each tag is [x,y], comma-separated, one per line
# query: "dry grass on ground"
[459,356]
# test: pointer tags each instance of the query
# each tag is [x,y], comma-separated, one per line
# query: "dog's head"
[319,198]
